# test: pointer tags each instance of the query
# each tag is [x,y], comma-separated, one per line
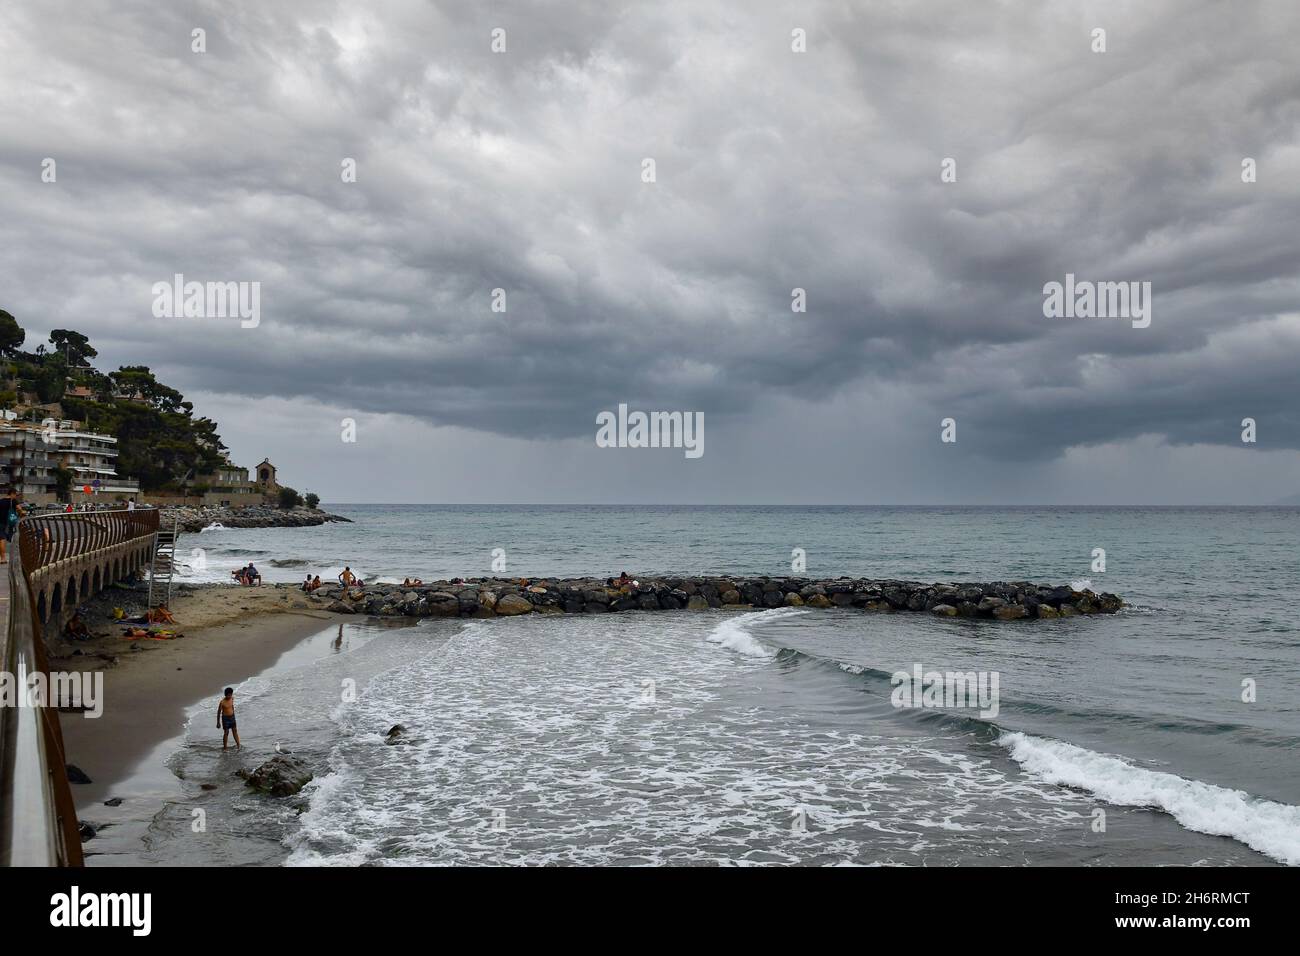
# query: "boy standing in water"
[226,718]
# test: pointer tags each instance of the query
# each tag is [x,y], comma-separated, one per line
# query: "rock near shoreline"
[501,597]
[192,520]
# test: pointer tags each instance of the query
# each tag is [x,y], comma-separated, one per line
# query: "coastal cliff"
[493,597]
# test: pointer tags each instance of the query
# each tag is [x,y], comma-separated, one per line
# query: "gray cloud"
[775,170]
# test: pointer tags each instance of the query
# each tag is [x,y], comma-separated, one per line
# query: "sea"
[1165,734]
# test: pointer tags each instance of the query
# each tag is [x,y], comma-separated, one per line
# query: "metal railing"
[49,539]
[38,818]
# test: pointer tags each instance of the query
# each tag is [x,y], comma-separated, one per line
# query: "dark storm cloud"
[775,170]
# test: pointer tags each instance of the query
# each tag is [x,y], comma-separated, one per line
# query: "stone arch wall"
[58,588]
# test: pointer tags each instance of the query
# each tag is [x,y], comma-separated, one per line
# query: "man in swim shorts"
[226,718]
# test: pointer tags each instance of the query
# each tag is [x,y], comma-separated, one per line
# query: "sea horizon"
[1130,718]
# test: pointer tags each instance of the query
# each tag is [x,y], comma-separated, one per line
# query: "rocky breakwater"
[191,520]
[498,597]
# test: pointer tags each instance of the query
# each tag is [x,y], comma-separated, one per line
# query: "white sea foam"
[734,633]
[545,725]
[1271,828]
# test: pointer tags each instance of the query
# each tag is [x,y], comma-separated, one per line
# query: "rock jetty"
[192,520]
[500,597]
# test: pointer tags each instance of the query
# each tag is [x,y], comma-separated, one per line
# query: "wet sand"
[237,633]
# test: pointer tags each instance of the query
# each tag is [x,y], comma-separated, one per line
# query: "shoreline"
[149,686]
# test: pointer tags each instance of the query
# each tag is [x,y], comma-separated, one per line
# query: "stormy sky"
[522,170]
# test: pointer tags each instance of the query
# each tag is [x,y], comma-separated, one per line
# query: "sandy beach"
[230,634]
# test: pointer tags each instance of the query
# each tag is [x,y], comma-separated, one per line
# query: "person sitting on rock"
[315,582]
[253,574]
[306,584]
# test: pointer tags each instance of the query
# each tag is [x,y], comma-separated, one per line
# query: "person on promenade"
[10,512]
[226,719]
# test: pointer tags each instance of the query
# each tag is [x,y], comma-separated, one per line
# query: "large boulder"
[1109,603]
[443,604]
[943,610]
[1010,612]
[281,776]
[512,604]
[818,600]
[341,607]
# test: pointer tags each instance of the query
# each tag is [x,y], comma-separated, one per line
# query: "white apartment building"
[90,456]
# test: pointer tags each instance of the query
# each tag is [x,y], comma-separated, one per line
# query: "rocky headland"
[192,520]
[500,597]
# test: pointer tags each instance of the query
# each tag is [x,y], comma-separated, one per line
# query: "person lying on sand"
[226,719]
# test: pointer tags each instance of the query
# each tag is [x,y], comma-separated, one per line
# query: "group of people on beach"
[247,576]
[311,584]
